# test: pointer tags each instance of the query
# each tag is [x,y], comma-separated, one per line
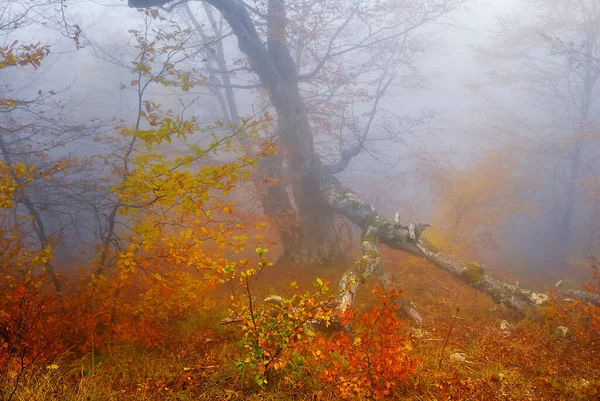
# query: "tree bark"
[316,242]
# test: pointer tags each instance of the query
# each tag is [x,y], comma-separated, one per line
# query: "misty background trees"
[548,60]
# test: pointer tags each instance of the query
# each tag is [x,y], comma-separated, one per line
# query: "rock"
[419,333]
[563,331]
[458,357]
[538,299]
[504,327]
[275,299]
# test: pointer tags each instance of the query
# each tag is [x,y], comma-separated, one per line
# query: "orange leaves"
[374,360]
[27,331]
[167,230]
[578,318]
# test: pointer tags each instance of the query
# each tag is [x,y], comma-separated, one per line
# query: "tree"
[163,223]
[551,57]
[165,212]
[32,134]
[474,205]
[283,74]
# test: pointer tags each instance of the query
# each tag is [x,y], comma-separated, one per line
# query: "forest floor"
[502,356]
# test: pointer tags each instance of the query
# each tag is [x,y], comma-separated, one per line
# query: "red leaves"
[374,360]
[28,334]
[581,319]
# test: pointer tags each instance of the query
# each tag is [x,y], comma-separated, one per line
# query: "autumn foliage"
[165,229]
[374,358]
[580,319]
[472,203]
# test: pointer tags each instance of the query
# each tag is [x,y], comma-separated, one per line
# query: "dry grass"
[527,362]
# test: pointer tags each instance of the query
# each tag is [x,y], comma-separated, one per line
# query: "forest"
[299,200]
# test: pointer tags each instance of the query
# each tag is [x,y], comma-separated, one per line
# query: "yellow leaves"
[9,59]
[8,104]
[20,170]
[248,273]
[140,67]
[473,204]
[186,85]
[24,55]
[42,257]
[175,232]
[127,263]
[8,187]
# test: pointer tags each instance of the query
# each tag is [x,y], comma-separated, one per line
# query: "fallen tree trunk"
[379,230]
[368,265]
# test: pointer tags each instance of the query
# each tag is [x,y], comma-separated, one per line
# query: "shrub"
[373,360]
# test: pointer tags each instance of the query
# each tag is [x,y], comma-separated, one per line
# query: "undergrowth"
[501,356]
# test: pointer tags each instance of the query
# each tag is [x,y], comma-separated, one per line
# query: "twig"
[448,337]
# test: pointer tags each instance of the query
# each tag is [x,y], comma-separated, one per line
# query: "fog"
[465,86]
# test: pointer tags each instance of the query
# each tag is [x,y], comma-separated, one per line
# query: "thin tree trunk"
[571,195]
[595,224]
[589,82]
[37,221]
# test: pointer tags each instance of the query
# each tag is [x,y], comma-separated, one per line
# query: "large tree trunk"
[315,240]
[318,242]
[291,198]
